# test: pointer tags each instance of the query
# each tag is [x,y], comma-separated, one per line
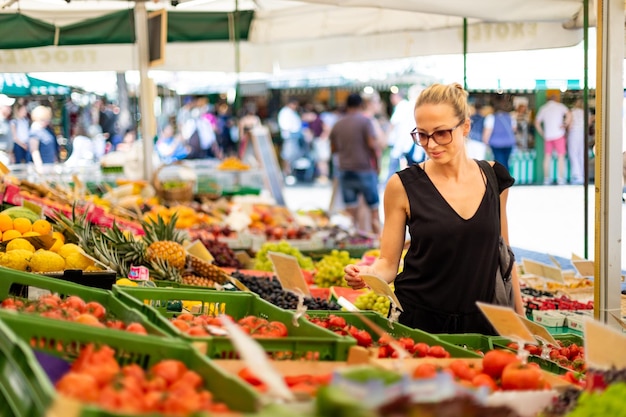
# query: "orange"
[42,226]
[59,236]
[56,245]
[6,222]
[10,234]
[31,233]
[22,225]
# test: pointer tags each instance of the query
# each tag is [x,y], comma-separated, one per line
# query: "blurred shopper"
[353,140]
[83,149]
[224,124]
[247,123]
[551,121]
[499,133]
[6,139]
[524,130]
[577,149]
[20,126]
[169,146]
[404,148]
[43,144]
[401,121]
[290,125]
[372,110]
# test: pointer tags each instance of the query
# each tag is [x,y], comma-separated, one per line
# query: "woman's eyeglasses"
[441,137]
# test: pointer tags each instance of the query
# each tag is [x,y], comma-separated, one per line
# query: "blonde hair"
[41,113]
[452,94]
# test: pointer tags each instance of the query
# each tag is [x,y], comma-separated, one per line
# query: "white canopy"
[289,34]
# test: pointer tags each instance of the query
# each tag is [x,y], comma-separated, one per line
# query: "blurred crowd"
[300,126]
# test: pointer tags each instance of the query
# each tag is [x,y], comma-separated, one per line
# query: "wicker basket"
[180,194]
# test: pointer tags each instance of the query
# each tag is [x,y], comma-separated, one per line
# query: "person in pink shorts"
[551,123]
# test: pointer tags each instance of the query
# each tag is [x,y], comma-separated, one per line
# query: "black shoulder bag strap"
[506,264]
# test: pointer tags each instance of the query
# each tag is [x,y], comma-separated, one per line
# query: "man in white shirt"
[551,122]
[290,125]
[403,122]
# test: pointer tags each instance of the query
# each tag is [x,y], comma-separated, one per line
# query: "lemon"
[126,282]
[18,259]
[77,260]
[69,248]
[46,261]
[19,243]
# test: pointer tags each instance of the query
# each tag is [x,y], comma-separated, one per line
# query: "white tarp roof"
[298,34]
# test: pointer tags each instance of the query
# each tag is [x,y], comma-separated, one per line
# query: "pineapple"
[207,270]
[160,249]
[164,241]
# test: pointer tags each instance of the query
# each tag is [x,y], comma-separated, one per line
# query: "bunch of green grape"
[263,263]
[329,270]
[372,301]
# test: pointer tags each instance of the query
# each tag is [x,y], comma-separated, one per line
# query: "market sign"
[25,85]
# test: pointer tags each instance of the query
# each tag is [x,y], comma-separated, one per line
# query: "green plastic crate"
[305,340]
[64,340]
[25,390]
[396,330]
[470,341]
[13,282]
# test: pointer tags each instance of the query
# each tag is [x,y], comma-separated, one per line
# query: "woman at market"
[44,148]
[451,213]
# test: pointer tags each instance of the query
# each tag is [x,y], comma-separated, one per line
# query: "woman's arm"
[396,205]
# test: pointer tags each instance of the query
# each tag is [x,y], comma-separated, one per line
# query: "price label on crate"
[507,323]
[605,347]
[380,287]
[540,332]
[289,273]
[543,270]
[584,267]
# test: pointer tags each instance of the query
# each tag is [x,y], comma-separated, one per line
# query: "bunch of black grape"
[223,255]
[270,290]
[564,403]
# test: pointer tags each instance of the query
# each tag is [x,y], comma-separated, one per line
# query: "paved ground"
[542,219]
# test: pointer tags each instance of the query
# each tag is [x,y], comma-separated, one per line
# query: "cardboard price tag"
[64,406]
[289,273]
[380,287]
[584,267]
[197,249]
[256,358]
[543,270]
[605,347]
[540,332]
[507,323]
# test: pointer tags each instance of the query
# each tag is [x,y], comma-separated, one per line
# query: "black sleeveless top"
[451,262]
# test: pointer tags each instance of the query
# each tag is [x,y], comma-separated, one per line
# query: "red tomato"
[438,352]
[484,380]
[136,328]
[425,370]
[363,338]
[463,370]
[169,369]
[336,321]
[519,376]
[75,302]
[79,386]
[420,349]
[95,309]
[496,360]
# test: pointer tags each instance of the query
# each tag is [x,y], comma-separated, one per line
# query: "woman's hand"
[352,276]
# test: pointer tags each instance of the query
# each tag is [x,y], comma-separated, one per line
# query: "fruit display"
[205,325]
[329,270]
[364,339]
[263,263]
[168,387]
[269,289]
[209,235]
[232,163]
[72,308]
[301,384]
[569,356]
[160,248]
[372,301]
